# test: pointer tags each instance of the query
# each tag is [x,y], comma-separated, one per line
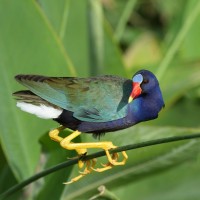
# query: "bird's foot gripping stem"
[112,162]
[81,149]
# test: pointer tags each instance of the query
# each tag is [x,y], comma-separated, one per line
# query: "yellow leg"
[66,143]
[54,135]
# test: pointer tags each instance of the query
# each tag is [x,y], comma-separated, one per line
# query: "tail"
[31,103]
[28,97]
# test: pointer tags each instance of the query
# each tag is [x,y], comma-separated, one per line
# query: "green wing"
[96,99]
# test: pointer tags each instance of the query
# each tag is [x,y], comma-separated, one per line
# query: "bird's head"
[144,82]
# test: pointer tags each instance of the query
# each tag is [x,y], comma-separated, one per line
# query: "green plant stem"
[64,19]
[96,41]
[68,163]
[177,41]
[124,18]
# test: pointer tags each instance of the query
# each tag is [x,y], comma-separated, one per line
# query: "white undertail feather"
[42,111]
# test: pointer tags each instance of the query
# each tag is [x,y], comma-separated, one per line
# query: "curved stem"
[178,40]
[129,7]
[68,163]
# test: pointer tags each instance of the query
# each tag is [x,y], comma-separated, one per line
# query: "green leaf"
[96,41]
[129,7]
[29,44]
[69,19]
[7,178]
[113,62]
[174,87]
[57,14]
[53,154]
[192,16]
[188,52]
[180,183]
[103,43]
[49,37]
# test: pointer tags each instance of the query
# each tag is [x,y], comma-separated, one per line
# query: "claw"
[103,169]
[107,164]
[103,165]
[85,172]
[74,179]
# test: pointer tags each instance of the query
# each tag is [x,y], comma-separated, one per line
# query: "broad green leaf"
[69,19]
[174,86]
[113,62]
[7,178]
[29,44]
[130,5]
[142,162]
[138,50]
[180,183]
[74,17]
[48,37]
[180,36]
[56,13]
[96,40]
[75,37]
[104,53]
[54,154]
[190,50]
[181,109]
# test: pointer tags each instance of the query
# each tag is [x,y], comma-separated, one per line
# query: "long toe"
[103,168]
[107,164]
[74,179]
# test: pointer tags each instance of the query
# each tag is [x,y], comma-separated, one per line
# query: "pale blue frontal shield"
[138,78]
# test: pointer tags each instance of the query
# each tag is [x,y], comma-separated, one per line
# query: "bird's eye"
[145,81]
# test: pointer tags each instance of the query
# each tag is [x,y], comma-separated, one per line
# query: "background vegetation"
[90,37]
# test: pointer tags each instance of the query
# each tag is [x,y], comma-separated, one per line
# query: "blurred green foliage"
[90,37]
